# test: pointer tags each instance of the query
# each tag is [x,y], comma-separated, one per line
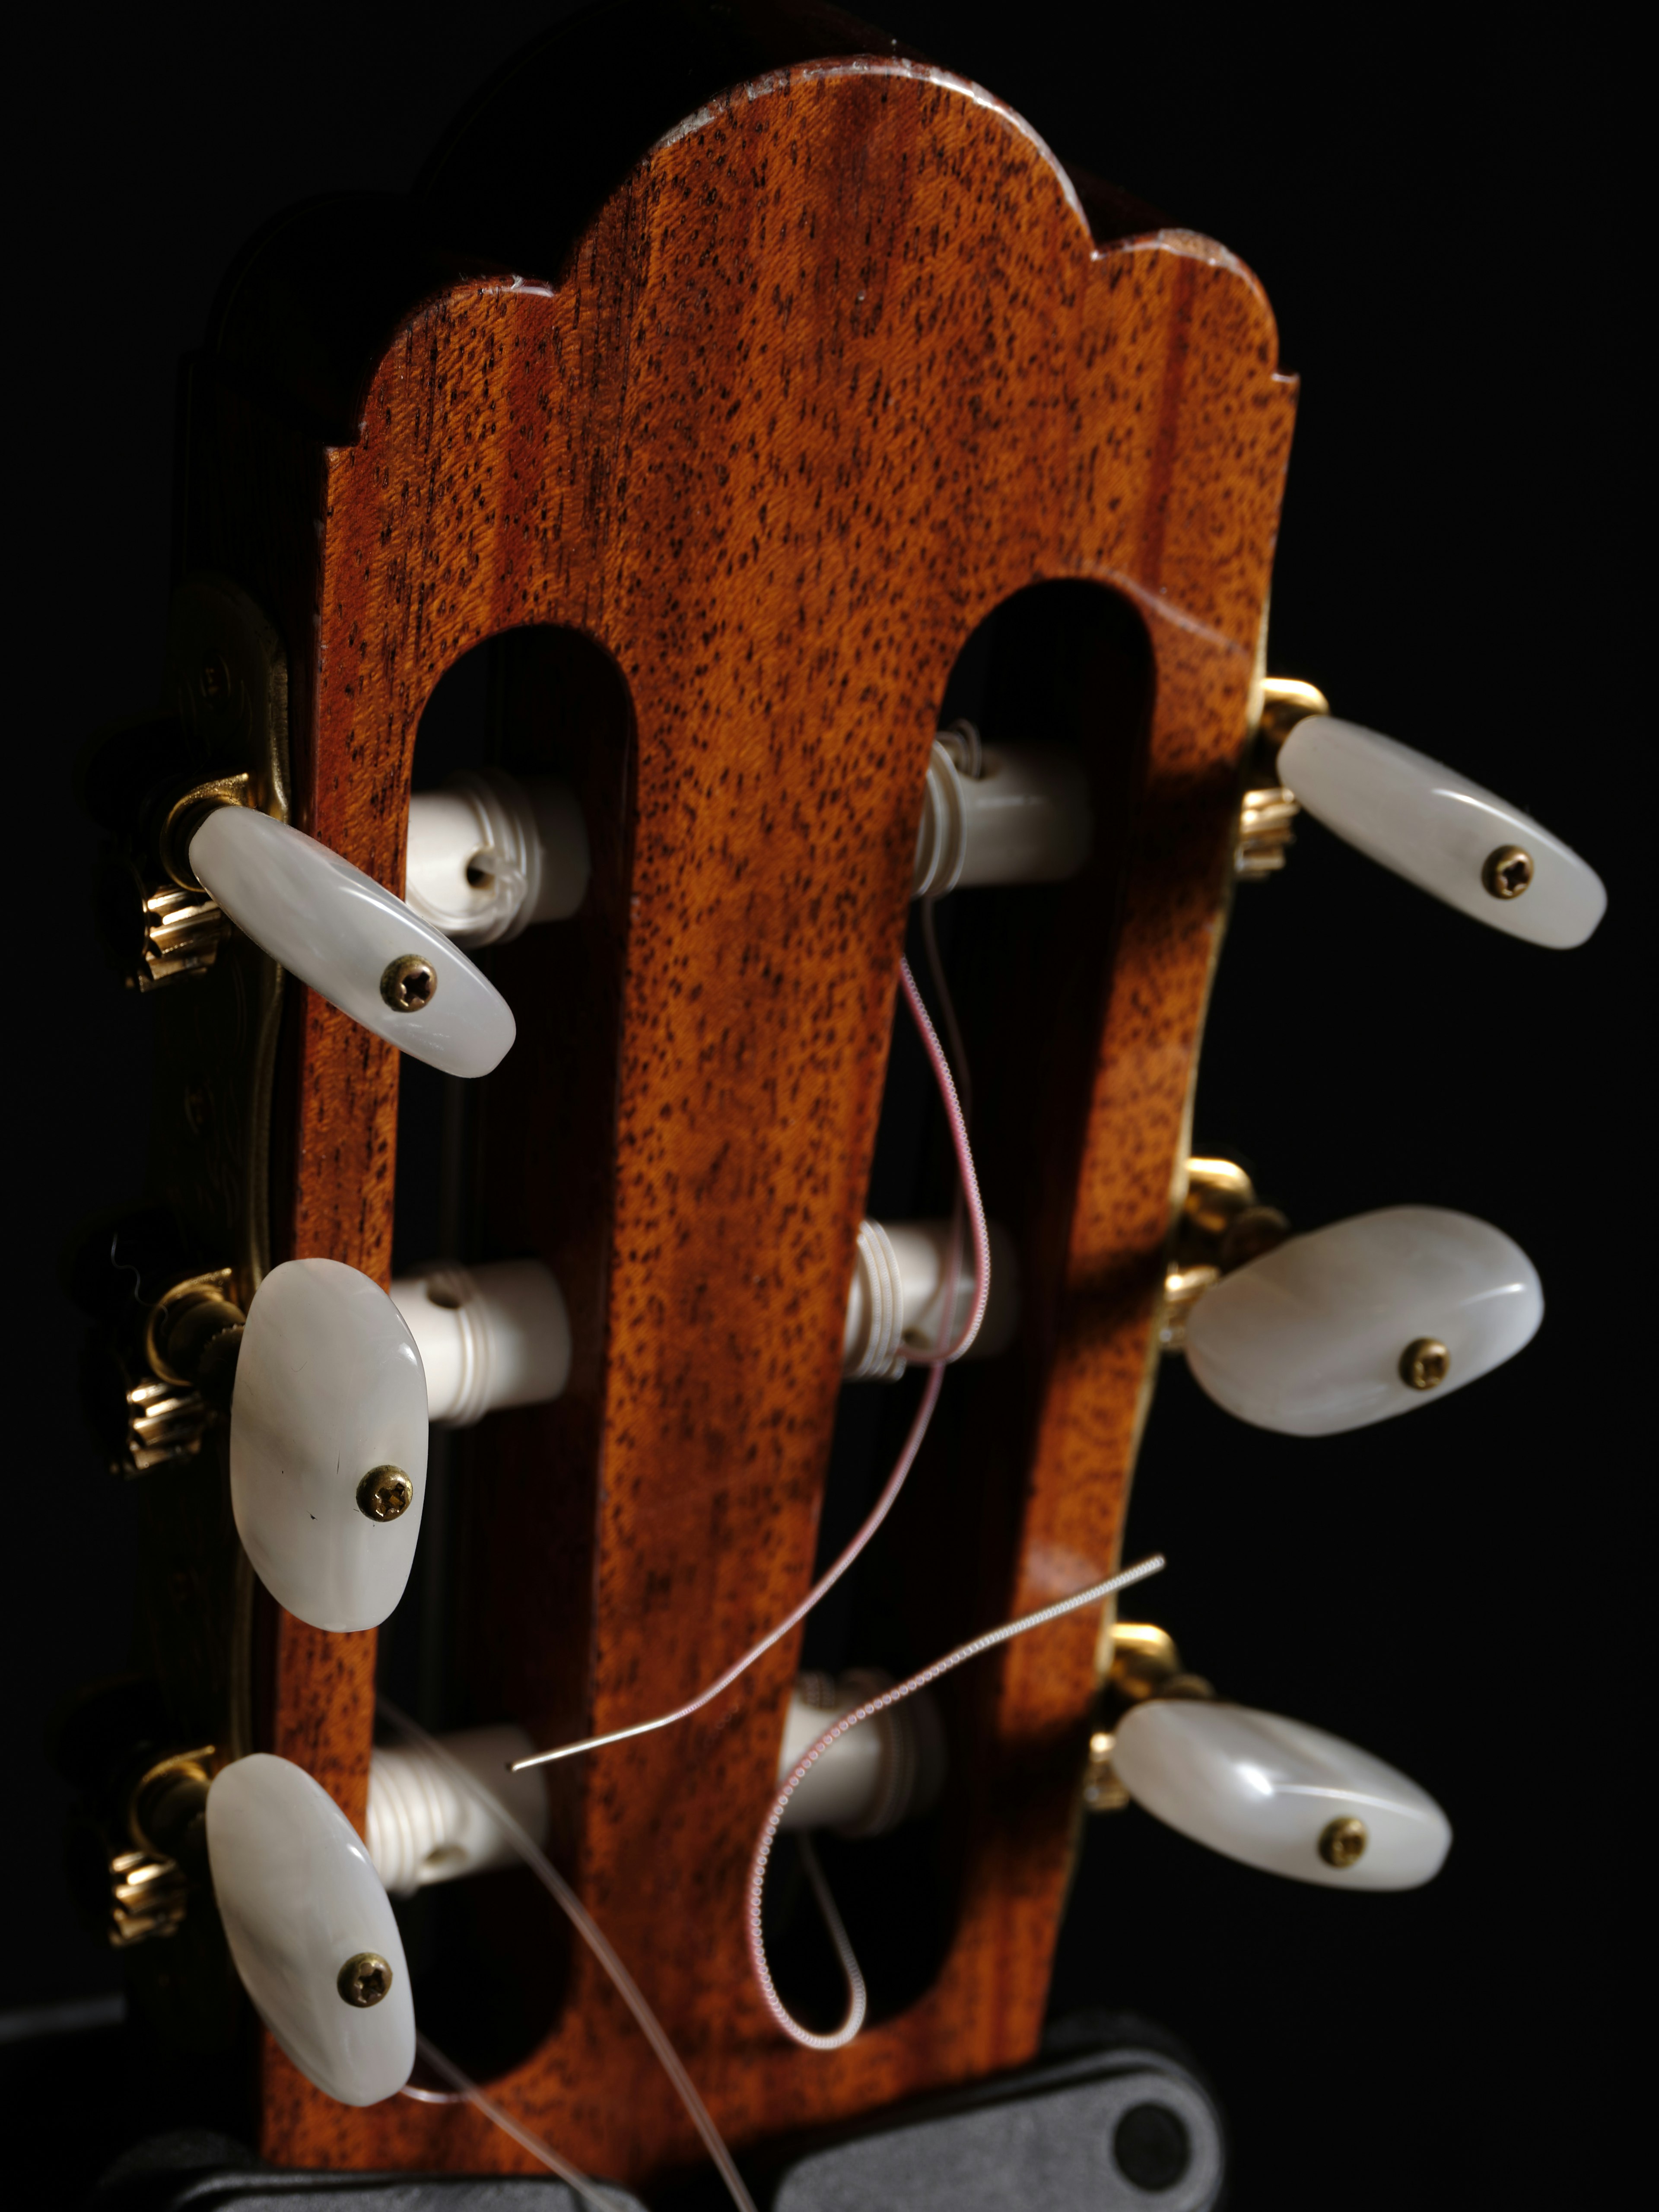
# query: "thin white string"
[591,1933]
[525,2138]
[853,2021]
[937,1362]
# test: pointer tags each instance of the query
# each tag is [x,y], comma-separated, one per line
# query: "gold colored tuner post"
[1268,807]
[1221,1225]
[1145,1664]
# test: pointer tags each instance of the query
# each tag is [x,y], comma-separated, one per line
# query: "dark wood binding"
[835,370]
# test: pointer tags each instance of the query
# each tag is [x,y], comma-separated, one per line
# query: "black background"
[1442,220]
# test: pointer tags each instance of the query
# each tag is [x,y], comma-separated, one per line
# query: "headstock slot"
[1065,663]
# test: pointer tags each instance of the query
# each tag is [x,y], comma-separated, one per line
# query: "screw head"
[386,1494]
[1425,1363]
[1507,873]
[1342,1843]
[364,1979]
[409,982]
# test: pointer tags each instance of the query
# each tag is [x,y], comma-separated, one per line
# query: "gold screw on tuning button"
[1425,1363]
[364,1980]
[386,1494]
[1342,1843]
[1507,873]
[409,983]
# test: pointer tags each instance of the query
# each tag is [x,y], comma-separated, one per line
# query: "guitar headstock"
[830,423]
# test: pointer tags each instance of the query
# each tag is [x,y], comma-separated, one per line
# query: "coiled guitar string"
[936,1361]
[856,1995]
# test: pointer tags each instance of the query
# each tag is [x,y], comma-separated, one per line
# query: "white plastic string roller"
[886,1771]
[328,1444]
[489,854]
[311,1928]
[1442,832]
[426,1826]
[896,1301]
[1363,1320]
[351,940]
[1278,1794]
[491,1336]
[1000,814]
[498,1334]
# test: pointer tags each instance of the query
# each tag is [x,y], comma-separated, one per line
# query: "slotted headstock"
[796,404]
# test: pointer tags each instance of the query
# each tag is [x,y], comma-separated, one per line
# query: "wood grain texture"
[832,375]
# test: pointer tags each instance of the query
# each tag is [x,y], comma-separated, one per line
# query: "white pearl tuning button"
[1365,1319]
[1279,1795]
[311,1929]
[357,946]
[328,1443]
[1442,832]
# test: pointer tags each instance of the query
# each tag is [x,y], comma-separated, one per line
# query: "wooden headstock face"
[835,417]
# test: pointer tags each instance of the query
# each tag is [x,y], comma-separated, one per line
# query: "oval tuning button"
[328,1443]
[1278,1794]
[1448,835]
[1367,1318]
[345,935]
[311,1928]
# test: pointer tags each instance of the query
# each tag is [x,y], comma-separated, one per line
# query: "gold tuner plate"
[1268,807]
[150,1883]
[1145,1664]
[185,816]
[195,1333]
[1221,1225]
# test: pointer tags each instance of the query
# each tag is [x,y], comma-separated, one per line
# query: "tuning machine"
[1450,836]
[322,1389]
[311,1928]
[194,798]
[339,931]
[1270,1792]
[1343,1325]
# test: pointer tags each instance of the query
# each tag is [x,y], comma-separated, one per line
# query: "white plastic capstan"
[345,935]
[1279,1795]
[1011,814]
[489,1337]
[328,1443]
[311,1928]
[1363,1320]
[1440,831]
[490,855]
[886,1771]
[425,1825]
[896,1296]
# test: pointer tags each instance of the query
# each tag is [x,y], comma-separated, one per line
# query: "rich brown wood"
[837,371]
